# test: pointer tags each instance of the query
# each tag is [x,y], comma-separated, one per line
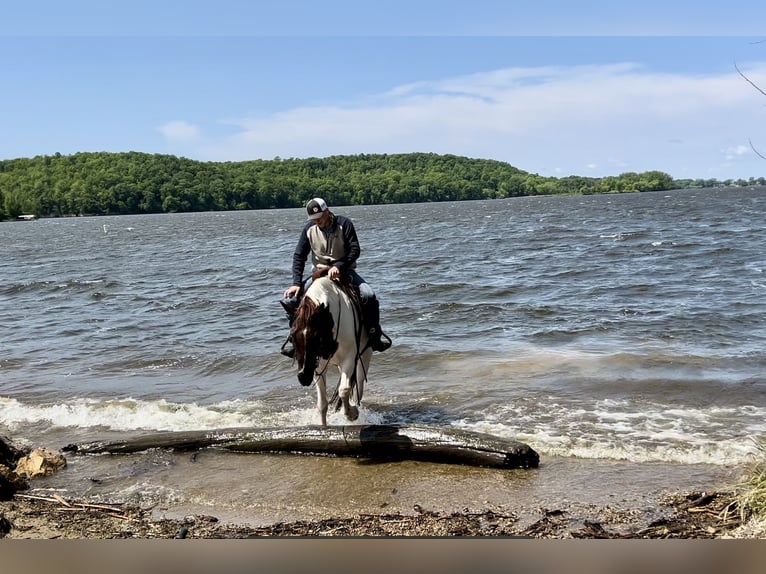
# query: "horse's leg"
[344,390]
[321,384]
[362,367]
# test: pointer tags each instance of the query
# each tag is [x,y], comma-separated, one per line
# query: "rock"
[40,462]
[10,453]
[10,483]
[5,525]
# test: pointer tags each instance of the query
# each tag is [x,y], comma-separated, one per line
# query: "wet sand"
[212,494]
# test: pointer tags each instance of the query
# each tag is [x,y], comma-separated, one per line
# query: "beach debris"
[112,510]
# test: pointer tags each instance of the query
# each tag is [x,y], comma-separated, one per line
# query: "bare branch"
[759,154]
[748,80]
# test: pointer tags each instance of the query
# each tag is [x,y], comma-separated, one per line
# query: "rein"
[327,360]
[358,326]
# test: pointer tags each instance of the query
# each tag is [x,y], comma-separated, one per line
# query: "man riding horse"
[333,244]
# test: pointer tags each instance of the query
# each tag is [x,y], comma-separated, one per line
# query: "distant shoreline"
[112,183]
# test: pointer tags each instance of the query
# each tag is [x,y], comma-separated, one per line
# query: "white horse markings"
[327,331]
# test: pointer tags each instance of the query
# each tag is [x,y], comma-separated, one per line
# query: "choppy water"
[624,327]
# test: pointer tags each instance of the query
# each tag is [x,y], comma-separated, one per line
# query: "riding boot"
[290,306]
[371,319]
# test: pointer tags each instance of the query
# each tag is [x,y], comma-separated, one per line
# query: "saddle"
[369,312]
[352,291]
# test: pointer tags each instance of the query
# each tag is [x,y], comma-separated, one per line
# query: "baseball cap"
[316,207]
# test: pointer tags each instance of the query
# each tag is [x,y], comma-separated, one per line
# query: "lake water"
[622,333]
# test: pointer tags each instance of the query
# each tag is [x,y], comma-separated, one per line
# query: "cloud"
[735,151]
[179,131]
[548,120]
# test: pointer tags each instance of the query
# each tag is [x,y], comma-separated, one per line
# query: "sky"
[579,87]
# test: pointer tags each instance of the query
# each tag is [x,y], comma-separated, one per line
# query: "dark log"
[380,442]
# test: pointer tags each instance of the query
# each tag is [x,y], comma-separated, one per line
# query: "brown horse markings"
[313,338]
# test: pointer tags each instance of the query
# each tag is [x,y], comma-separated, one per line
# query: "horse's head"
[313,339]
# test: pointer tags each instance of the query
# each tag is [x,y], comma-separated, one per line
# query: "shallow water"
[264,489]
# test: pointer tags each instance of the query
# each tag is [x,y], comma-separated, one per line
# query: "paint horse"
[327,330]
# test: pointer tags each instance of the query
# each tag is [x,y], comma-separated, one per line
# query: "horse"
[328,330]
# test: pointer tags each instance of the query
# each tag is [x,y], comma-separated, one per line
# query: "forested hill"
[111,183]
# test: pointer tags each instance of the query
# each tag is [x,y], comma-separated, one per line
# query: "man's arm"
[351,240]
[299,257]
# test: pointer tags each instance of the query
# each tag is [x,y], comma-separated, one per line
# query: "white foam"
[127,414]
[615,430]
[608,429]
[131,414]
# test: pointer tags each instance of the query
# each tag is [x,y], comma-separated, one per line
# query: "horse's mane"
[301,322]
[305,311]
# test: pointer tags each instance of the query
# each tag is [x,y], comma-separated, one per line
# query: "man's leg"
[370,314]
[371,318]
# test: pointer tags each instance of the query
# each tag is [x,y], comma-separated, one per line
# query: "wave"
[606,430]
[620,430]
[67,286]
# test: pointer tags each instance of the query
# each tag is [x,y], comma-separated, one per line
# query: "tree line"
[104,183]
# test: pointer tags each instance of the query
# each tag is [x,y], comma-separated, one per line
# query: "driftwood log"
[382,442]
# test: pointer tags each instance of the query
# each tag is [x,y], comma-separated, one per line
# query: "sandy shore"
[210,494]
[682,515]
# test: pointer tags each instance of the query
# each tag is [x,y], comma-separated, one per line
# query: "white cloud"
[733,152]
[179,131]
[599,120]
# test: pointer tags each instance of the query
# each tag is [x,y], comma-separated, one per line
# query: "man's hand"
[291,291]
[333,273]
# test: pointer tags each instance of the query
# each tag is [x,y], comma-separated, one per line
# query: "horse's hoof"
[353,413]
